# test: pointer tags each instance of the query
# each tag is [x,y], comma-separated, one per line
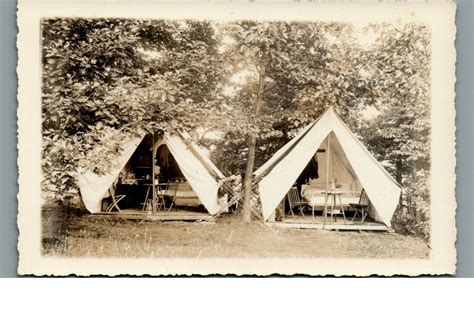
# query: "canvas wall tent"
[201,174]
[353,163]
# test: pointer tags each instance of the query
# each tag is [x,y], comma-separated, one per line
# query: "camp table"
[161,189]
[334,196]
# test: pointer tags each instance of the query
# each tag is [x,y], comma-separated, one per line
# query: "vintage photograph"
[235,139]
[253,139]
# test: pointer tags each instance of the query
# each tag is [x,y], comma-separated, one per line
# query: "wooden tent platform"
[317,223]
[173,215]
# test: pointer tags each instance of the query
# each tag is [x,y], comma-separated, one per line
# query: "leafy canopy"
[109,77]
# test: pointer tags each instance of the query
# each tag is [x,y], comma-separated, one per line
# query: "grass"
[104,236]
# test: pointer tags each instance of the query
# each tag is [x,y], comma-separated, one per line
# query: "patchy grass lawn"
[94,236]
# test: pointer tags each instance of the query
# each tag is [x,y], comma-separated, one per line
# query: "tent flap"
[205,186]
[95,187]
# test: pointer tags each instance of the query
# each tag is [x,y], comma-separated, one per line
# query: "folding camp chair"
[361,207]
[115,200]
[294,200]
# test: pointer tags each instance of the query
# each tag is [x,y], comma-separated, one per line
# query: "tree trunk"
[399,172]
[246,211]
[252,143]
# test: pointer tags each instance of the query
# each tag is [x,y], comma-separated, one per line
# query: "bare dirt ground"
[89,236]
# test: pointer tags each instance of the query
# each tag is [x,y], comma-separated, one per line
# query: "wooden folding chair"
[362,207]
[115,200]
[160,199]
[294,201]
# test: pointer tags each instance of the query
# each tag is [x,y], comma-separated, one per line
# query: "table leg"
[325,207]
[163,192]
[342,208]
[332,206]
[161,196]
[146,198]
[158,202]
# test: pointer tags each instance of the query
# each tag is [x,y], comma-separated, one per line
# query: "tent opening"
[152,163]
[326,164]
[140,164]
[328,183]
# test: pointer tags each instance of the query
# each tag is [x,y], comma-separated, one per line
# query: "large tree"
[111,76]
[292,73]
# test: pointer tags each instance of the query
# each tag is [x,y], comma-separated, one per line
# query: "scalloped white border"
[440,15]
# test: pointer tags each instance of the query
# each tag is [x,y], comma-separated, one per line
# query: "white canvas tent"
[202,175]
[354,164]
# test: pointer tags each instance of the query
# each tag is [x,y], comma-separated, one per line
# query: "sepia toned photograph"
[252,139]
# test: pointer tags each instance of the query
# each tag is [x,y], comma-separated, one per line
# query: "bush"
[408,222]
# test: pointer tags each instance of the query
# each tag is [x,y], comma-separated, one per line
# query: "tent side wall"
[278,155]
[203,156]
[203,184]
[382,190]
